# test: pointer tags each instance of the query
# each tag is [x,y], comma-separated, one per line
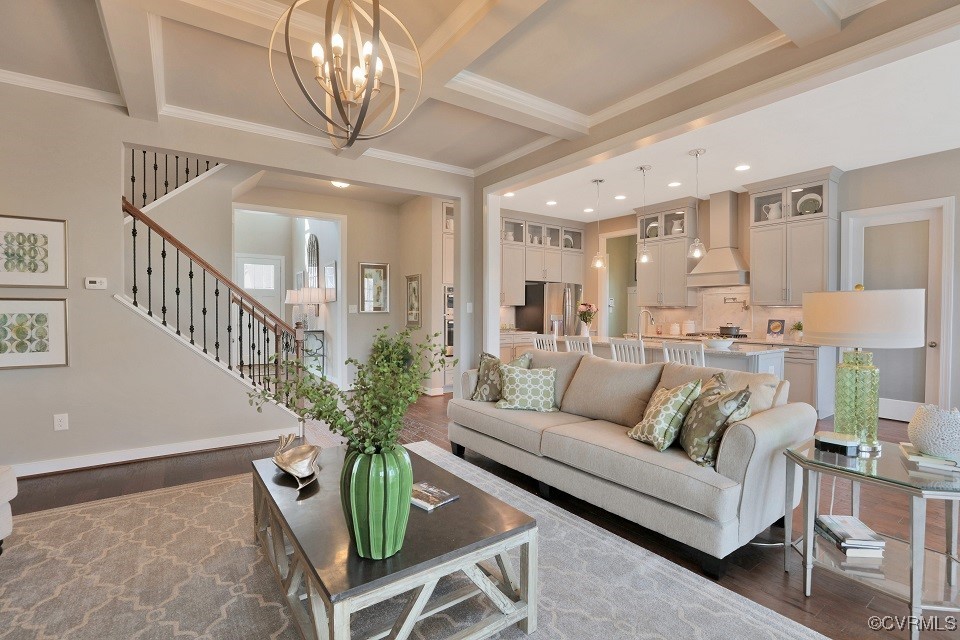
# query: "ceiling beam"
[136,50]
[804,21]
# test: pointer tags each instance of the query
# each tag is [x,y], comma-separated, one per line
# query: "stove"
[714,335]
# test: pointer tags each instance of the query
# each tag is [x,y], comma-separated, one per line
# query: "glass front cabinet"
[668,229]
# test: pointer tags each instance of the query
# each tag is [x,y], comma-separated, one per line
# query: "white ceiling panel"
[289,182]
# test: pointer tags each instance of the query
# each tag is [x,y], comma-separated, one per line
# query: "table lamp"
[295,297]
[313,296]
[881,319]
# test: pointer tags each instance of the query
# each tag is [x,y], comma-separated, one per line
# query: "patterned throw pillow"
[717,408]
[530,389]
[488,376]
[664,415]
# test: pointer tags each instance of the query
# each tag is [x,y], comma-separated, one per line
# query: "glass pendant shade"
[697,250]
[644,256]
[599,261]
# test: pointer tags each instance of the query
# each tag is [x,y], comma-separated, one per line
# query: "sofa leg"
[458,449]
[543,489]
[713,567]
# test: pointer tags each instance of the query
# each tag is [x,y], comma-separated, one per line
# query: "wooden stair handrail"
[235,289]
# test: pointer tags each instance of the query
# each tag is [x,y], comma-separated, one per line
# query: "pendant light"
[697,250]
[599,261]
[643,254]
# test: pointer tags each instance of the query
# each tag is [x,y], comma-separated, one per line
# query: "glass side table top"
[892,467]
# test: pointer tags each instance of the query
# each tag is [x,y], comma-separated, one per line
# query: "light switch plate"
[94,283]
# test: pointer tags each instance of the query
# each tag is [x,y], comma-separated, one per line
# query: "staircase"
[174,287]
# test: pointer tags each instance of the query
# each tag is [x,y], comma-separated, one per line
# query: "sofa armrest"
[751,453]
[468,382]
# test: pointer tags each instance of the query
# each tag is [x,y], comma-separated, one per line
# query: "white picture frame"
[33,252]
[33,333]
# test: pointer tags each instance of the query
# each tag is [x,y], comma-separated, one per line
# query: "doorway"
[907,246]
[262,277]
[621,285]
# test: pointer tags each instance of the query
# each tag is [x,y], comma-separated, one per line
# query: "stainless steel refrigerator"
[550,301]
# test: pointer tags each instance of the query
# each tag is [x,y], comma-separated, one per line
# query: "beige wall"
[128,385]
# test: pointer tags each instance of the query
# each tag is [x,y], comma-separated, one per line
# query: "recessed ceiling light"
[674,184]
[340,185]
[588,210]
[619,197]
[551,203]
[509,194]
[795,190]
[741,167]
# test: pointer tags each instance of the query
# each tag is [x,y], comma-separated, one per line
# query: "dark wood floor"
[837,609]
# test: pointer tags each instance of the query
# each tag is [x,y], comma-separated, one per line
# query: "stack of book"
[852,537]
[926,462]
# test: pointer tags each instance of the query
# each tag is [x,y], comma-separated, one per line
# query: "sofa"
[8,491]
[583,449]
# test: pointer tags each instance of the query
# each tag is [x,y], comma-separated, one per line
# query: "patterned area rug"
[182,563]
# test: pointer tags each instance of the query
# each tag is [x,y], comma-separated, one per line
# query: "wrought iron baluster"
[186,175]
[204,311]
[133,175]
[163,280]
[240,346]
[250,338]
[216,320]
[197,172]
[133,233]
[190,276]
[176,172]
[144,174]
[229,329]
[166,174]
[155,167]
[208,167]
[149,272]
[265,345]
[177,291]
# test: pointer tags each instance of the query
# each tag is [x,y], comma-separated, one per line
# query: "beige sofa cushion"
[564,362]
[603,449]
[614,391]
[765,388]
[522,429]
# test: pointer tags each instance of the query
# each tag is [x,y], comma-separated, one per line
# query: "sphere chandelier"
[347,71]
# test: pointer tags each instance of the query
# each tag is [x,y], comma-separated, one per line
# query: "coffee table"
[305,537]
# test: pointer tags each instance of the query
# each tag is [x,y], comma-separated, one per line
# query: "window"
[258,276]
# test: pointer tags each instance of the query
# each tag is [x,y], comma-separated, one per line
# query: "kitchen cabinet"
[811,372]
[543,265]
[448,252]
[512,285]
[662,282]
[649,279]
[515,344]
[767,265]
[571,267]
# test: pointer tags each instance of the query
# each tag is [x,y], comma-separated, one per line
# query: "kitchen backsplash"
[722,305]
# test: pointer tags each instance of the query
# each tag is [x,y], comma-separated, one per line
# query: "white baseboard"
[129,455]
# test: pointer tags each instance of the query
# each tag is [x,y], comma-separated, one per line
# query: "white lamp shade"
[293,297]
[881,319]
[313,295]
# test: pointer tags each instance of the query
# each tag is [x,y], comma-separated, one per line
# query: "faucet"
[653,321]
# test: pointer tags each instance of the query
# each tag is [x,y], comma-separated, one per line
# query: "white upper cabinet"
[668,228]
[551,253]
[512,283]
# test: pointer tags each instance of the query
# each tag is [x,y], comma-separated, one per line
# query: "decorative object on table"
[34,252]
[775,330]
[697,249]
[600,261]
[586,312]
[300,461]
[936,432]
[374,287]
[428,497]
[413,301]
[773,211]
[330,281]
[882,319]
[796,330]
[809,204]
[833,442]
[33,333]
[926,461]
[351,95]
[376,482]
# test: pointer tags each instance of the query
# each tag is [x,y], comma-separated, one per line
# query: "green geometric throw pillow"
[716,409]
[488,376]
[529,389]
[664,415]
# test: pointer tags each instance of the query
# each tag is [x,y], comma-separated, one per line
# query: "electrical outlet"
[60,422]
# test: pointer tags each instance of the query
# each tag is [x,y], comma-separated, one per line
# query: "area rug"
[182,563]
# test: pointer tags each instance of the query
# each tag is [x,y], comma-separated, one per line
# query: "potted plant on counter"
[377,478]
[587,311]
[796,330]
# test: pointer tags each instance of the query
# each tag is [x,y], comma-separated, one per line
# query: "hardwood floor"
[838,608]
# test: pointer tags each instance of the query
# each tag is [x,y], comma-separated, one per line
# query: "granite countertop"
[787,342]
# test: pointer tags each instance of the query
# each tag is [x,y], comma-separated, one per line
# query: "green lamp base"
[858,399]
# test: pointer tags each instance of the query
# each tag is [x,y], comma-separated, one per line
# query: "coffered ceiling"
[499,75]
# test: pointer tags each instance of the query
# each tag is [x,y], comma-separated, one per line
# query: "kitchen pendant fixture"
[599,261]
[697,250]
[348,71]
[644,253]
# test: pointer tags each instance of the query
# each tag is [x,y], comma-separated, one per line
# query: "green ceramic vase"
[375,491]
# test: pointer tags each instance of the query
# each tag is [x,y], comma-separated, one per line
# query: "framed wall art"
[34,252]
[33,333]
[374,287]
[414,302]
[330,281]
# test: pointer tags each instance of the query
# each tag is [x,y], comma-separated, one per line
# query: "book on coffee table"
[925,461]
[428,497]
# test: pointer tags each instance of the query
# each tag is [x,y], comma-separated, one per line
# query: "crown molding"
[536,145]
[62,88]
[419,162]
[846,8]
[696,74]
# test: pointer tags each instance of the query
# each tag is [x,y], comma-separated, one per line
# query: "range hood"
[722,266]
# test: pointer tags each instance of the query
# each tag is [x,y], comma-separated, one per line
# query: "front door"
[262,277]
[902,247]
